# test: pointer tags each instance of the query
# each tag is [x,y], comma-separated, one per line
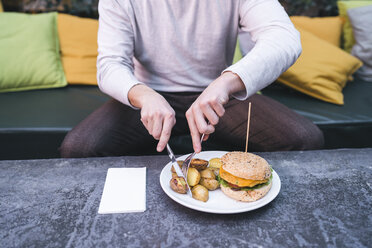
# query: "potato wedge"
[178,184]
[199,164]
[193,177]
[210,184]
[200,193]
[215,163]
[207,173]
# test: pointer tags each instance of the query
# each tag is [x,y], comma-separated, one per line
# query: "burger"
[245,176]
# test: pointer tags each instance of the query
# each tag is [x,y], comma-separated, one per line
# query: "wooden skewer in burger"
[245,176]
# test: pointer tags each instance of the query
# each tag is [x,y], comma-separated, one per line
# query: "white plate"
[218,202]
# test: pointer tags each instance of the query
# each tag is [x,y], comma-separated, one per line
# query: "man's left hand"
[208,108]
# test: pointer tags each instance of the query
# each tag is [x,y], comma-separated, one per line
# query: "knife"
[177,168]
[186,163]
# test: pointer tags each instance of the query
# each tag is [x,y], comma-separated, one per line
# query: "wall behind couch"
[88,8]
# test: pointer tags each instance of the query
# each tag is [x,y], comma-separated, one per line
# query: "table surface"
[325,201]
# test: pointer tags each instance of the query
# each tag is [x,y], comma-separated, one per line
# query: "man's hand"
[208,107]
[156,114]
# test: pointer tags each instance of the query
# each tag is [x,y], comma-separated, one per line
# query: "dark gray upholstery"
[349,125]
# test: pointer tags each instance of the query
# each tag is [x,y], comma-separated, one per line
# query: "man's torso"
[180,43]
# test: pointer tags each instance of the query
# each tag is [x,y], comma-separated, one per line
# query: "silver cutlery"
[177,168]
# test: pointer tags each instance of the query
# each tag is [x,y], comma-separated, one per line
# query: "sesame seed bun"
[246,165]
[246,196]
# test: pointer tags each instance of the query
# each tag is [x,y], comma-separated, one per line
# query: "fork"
[187,161]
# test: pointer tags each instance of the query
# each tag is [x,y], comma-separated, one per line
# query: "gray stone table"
[325,201]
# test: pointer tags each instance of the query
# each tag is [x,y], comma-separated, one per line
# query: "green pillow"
[238,54]
[29,49]
[343,6]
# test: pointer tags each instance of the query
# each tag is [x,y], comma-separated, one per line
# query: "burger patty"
[239,182]
[238,188]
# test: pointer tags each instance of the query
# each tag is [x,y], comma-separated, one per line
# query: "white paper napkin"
[124,191]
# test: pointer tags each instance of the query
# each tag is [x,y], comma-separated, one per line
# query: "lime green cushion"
[343,6]
[29,49]
[238,54]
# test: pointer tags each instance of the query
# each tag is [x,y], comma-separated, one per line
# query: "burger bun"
[246,195]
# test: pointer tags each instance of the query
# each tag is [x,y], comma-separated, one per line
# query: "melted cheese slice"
[241,182]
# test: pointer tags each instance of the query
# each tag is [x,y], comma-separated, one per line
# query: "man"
[166,64]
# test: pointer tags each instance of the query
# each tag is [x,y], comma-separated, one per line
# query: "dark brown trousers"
[115,129]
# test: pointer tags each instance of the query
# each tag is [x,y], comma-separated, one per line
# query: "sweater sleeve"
[115,50]
[277,45]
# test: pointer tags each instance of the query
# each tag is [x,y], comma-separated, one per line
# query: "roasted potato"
[199,164]
[200,193]
[210,184]
[207,173]
[180,162]
[193,177]
[215,163]
[174,174]
[178,184]
[216,171]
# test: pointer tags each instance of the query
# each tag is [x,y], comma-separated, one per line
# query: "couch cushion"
[343,6]
[326,28]
[78,49]
[361,21]
[322,70]
[343,126]
[29,49]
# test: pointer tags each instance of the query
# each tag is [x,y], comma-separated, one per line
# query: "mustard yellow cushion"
[78,39]
[343,6]
[322,69]
[326,28]
[1,7]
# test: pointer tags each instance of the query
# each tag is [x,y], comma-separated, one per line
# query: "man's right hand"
[156,114]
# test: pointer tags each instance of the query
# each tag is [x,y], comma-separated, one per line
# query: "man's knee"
[316,141]
[75,147]
[310,139]
[68,148]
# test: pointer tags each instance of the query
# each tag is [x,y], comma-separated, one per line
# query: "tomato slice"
[233,185]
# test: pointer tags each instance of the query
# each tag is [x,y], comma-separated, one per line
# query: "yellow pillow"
[348,36]
[78,41]
[322,69]
[1,7]
[326,28]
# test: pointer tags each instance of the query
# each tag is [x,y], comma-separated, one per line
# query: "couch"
[34,123]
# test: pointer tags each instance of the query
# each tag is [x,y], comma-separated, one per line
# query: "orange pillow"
[326,28]
[78,42]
